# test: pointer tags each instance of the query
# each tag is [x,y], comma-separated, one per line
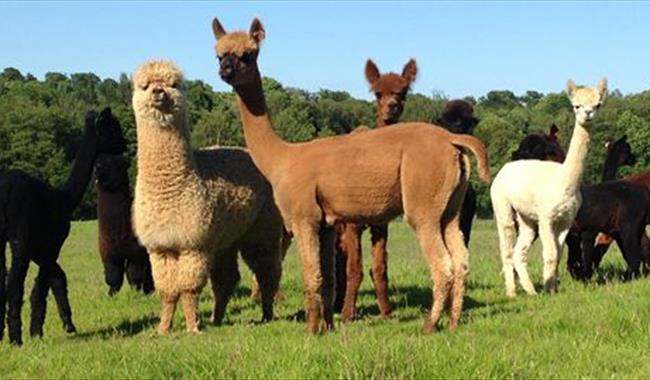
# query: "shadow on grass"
[126,328]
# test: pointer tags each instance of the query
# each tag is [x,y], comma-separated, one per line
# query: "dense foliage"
[41,120]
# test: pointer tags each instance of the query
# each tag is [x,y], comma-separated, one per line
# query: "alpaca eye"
[598,105]
[378,95]
[246,57]
[576,107]
[145,86]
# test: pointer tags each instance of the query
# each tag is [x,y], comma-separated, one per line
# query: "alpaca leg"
[16,289]
[224,276]
[39,301]
[631,248]
[550,253]
[587,243]
[326,251]
[266,264]
[168,306]
[441,267]
[306,235]
[190,300]
[379,235]
[467,213]
[574,259]
[507,232]
[351,245]
[114,273]
[60,290]
[3,285]
[341,262]
[454,239]
[527,235]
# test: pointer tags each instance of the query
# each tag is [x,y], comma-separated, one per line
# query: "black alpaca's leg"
[39,301]
[59,285]
[467,213]
[138,273]
[114,273]
[16,290]
[574,260]
[588,239]
[3,284]
[631,248]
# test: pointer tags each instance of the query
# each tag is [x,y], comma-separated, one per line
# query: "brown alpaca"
[390,89]
[194,210]
[414,169]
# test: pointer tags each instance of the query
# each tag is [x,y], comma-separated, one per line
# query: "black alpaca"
[538,146]
[619,208]
[35,219]
[118,247]
[458,117]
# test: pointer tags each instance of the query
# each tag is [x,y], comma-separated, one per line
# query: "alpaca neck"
[573,165]
[265,146]
[165,158]
[610,168]
[82,169]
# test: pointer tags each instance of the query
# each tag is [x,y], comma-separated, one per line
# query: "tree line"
[41,121]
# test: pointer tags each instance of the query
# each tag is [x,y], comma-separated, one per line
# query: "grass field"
[596,330]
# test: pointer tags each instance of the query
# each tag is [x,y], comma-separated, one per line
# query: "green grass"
[598,330]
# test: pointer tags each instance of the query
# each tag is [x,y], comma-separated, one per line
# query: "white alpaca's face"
[159,92]
[586,101]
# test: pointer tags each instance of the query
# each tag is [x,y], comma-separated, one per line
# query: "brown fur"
[414,169]
[195,209]
[390,90]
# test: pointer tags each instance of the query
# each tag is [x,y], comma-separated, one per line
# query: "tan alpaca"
[194,209]
[414,169]
[543,196]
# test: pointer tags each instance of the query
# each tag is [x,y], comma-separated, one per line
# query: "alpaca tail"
[478,149]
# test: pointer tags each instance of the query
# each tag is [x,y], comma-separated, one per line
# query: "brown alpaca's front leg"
[168,306]
[379,235]
[308,246]
[351,244]
[190,301]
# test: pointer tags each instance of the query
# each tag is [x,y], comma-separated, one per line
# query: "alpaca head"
[159,93]
[111,172]
[586,101]
[540,146]
[458,117]
[620,151]
[237,52]
[390,89]
[108,131]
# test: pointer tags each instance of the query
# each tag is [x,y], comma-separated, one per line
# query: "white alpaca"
[543,196]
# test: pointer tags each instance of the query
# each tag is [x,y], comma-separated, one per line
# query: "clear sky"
[462,48]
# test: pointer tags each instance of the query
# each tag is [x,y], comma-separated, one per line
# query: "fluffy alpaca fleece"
[543,196]
[195,209]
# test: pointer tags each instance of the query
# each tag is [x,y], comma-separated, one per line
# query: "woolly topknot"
[237,43]
[158,70]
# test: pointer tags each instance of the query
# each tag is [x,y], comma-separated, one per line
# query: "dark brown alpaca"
[458,117]
[118,246]
[390,89]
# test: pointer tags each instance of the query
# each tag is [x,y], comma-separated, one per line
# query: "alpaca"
[195,209]
[35,219]
[544,196]
[118,247]
[413,169]
[458,117]
[539,146]
[390,89]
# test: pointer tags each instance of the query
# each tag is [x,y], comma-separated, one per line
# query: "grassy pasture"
[588,331]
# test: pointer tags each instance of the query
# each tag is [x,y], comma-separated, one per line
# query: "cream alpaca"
[194,209]
[543,196]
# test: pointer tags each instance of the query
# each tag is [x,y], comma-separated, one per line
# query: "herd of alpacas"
[194,211]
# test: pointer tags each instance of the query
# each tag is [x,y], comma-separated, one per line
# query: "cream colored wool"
[194,209]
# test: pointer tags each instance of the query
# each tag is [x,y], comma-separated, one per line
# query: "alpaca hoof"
[428,327]
[386,315]
[36,332]
[69,328]
[511,294]
[348,315]
[326,327]
[194,331]
[216,321]
[16,343]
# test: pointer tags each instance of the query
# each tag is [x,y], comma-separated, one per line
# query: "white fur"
[543,197]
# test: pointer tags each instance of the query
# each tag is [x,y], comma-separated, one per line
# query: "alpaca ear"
[217,29]
[257,32]
[602,87]
[571,87]
[372,72]
[554,130]
[410,71]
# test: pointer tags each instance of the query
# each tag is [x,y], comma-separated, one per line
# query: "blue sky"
[462,48]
